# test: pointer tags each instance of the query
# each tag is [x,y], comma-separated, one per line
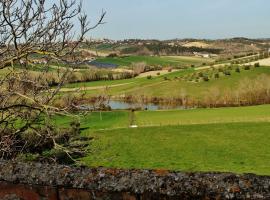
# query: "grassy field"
[223,139]
[96,121]
[121,119]
[155,60]
[172,87]
[231,147]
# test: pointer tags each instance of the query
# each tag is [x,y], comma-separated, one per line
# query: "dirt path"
[263,62]
[92,88]
[202,68]
[155,73]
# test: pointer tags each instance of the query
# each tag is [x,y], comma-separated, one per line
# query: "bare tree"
[35,33]
[138,67]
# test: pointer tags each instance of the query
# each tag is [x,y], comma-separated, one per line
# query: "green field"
[223,139]
[220,139]
[240,148]
[155,60]
[158,87]
[94,121]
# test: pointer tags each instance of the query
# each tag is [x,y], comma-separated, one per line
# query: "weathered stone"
[65,182]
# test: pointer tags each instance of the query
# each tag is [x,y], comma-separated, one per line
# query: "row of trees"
[248,92]
[160,48]
[165,49]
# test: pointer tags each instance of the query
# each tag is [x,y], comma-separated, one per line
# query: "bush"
[217,75]
[149,77]
[237,70]
[257,65]
[220,70]
[112,55]
[158,73]
[200,74]
[205,78]
[227,73]
[246,67]
[166,78]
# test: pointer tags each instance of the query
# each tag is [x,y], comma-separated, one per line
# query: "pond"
[101,64]
[121,105]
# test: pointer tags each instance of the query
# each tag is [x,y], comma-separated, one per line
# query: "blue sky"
[167,19]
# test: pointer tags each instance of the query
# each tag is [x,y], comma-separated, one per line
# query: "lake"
[120,105]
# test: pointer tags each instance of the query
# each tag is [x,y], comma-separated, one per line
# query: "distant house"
[206,56]
[172,44]
[203,55]
[40,61]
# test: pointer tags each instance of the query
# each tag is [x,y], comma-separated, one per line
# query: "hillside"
[225,47]
[177,82]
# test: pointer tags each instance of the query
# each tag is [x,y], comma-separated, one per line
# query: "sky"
[169,19]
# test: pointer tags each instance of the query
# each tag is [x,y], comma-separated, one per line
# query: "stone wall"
[55,182]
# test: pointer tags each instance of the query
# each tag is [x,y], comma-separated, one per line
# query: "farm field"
[230,147]
[222,139]
[265,62]
[121,119]
[155,60]
[158,87]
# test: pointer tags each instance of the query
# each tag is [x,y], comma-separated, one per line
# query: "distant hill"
[223,47]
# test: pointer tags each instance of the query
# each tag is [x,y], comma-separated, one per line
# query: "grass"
[222,139]
[135,81]
[121,119]
[231,147]
[204,116]
[155,60]
[96,120]
[158,87]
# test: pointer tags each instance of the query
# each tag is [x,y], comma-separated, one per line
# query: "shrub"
[246,67]
[227,73]
[149,77]
[220,69]
[158,73]
[200,74]
[166,78]
[112,55]
[237,70]
[205,78]
[217,75]
[257,65]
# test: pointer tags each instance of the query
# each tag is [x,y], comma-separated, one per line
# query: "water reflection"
[120,105]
